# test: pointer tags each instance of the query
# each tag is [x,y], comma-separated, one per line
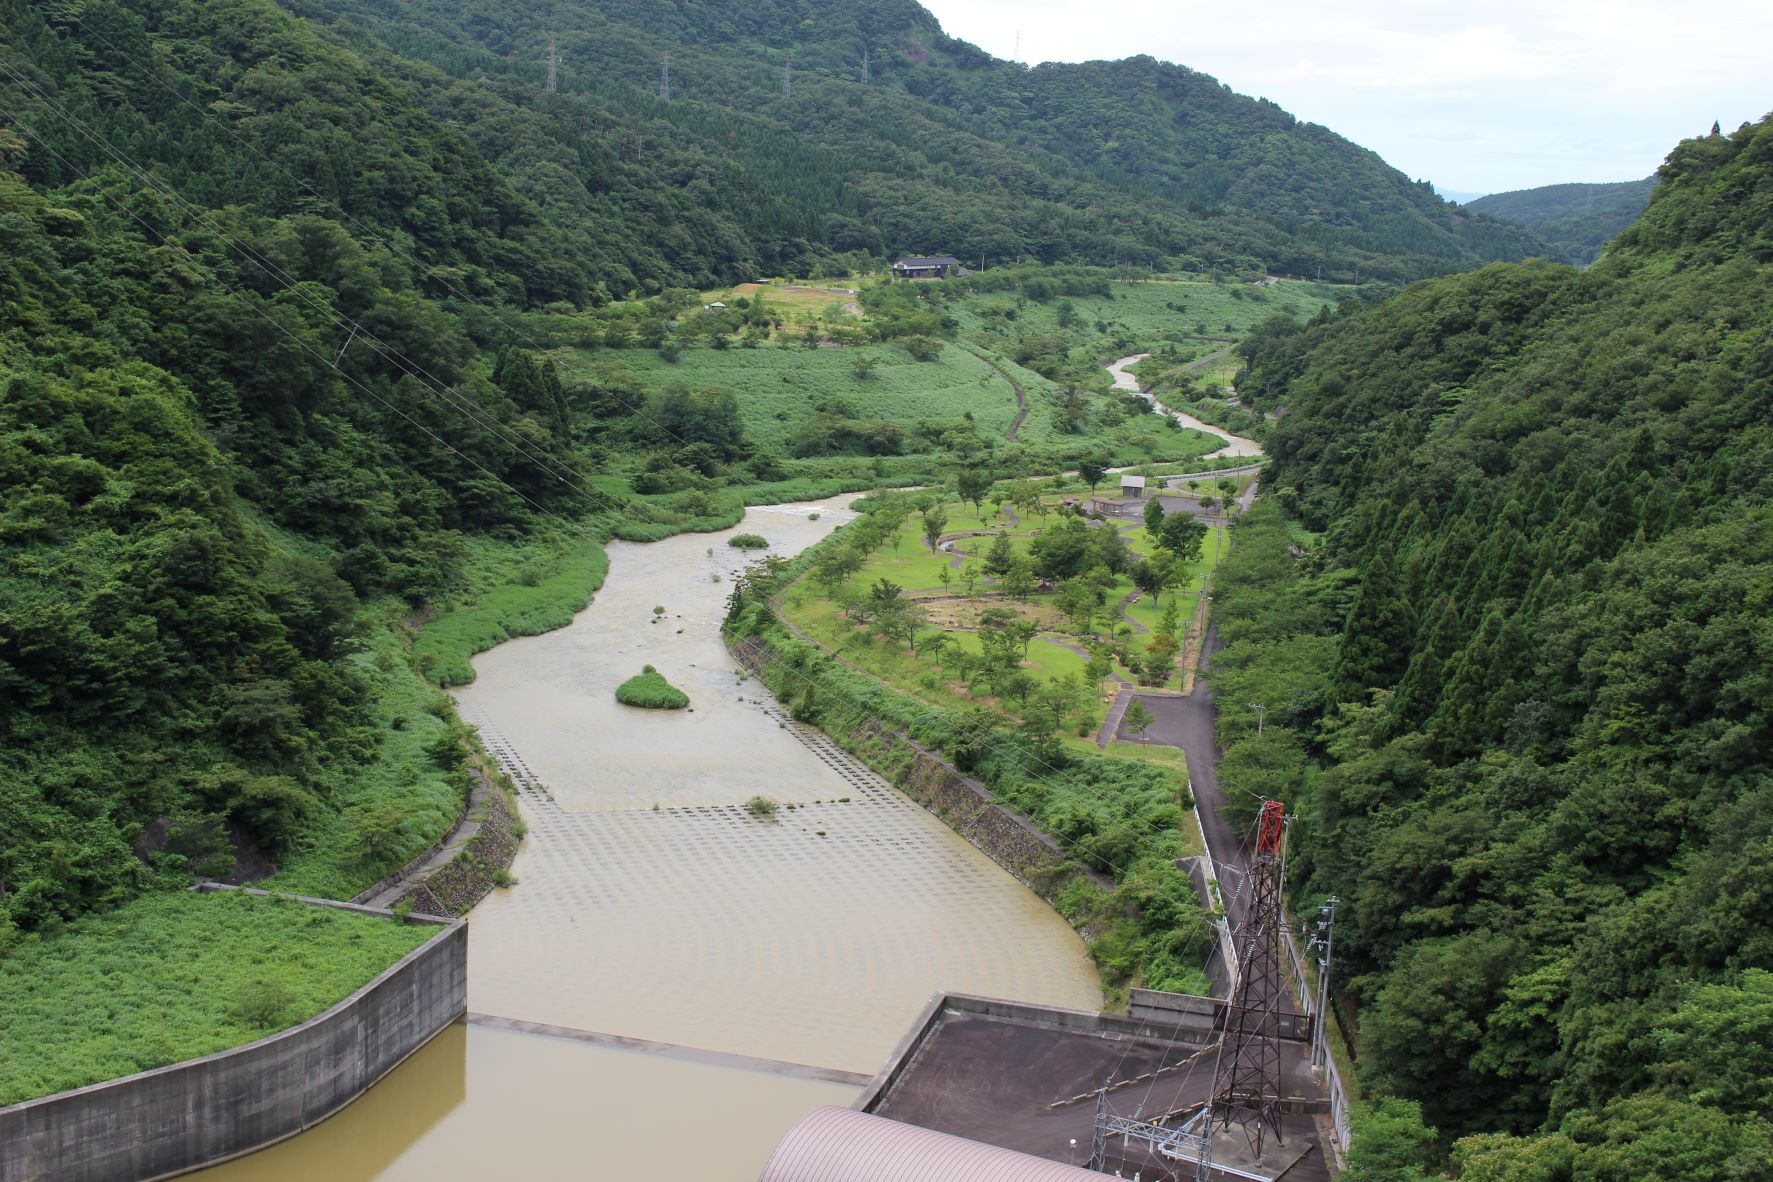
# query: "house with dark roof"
[934,267]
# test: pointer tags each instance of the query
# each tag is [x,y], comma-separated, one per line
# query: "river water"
[1235,445]
[651,904]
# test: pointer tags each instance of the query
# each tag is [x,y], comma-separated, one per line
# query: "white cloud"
[1504,96]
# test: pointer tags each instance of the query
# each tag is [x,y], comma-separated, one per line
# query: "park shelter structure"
[1132,488]
[931,267]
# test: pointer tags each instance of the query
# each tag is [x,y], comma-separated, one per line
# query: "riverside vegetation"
[279,455]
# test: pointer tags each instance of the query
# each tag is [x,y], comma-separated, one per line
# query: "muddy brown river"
[651,905]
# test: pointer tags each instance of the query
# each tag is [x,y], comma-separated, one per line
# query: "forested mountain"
[788,156]
[1576,221]
[1531,754]
[228,420]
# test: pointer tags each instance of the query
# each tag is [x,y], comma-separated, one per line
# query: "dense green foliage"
[649,690]
[236,435]
[174,976]
[942,148]
[1520,684]
[1575,221]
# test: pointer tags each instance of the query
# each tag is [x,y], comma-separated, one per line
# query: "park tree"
[1138,719]
[1154,517]
[1091,471]
[903,621]
[1077,599]
[1108,550]
[969,578]
[1058,699]
[1000,556]
[1020,580]
[1151,575]
[834,566]
[1101,665]
[884,594]
[1160,657]
[1017,685]
[1063,550]
[1183,537]
[934,522]
[974,485]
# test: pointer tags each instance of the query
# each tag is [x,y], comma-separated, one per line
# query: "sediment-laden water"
[650,903]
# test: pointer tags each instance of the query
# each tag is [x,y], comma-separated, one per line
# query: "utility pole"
[665,79]
[1326,936]
[553,64]
[1258,707]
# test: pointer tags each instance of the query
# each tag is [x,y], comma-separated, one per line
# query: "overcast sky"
[1480,98]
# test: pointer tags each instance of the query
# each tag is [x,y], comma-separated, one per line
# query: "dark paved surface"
[997,1080]
[1187,722]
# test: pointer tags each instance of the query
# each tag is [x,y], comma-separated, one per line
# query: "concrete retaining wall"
[1005,836]
[173,1119]
[1200,1013]
[483,848]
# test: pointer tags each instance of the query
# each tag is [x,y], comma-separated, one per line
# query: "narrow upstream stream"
[1235,445]
[651,905]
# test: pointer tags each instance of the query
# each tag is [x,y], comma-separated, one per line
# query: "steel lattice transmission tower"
[1247,1083]
[553,64]
[665,78]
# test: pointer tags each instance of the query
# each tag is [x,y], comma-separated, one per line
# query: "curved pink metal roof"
[838,1145]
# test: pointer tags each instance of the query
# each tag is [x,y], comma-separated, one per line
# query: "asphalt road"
[1187,722]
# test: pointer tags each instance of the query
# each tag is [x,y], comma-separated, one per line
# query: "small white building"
[1132,488]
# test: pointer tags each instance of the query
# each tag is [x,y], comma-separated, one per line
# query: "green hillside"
[1536,512]
[944,149]
[1576,221]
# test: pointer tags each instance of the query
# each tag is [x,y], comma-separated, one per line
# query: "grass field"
[175,975]
[796,303]
[779,388]
[1148,313]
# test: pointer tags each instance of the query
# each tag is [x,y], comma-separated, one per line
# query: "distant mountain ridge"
[810,128]
[1575,220]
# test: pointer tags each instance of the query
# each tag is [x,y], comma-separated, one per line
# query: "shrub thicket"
[649,690]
